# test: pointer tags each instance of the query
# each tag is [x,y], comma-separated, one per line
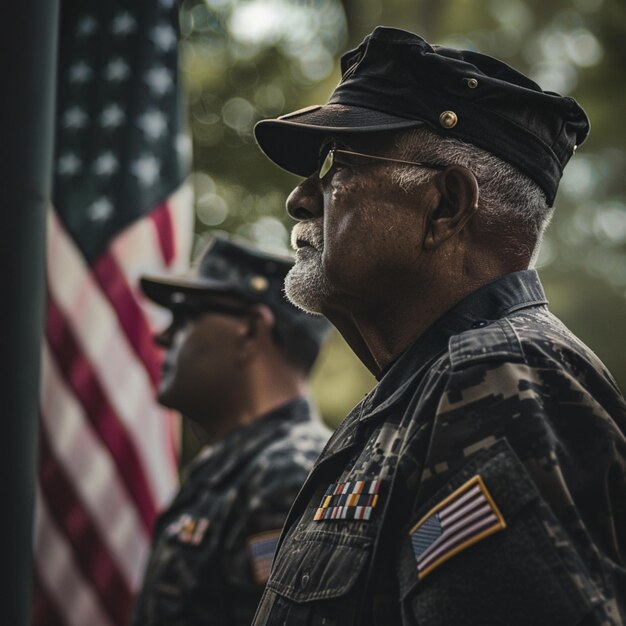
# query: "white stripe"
[451,519]
[137,250]
[104,344]
[60,575]
[182,213]
[93,474]
[450,532]
[457,502]
[472,530]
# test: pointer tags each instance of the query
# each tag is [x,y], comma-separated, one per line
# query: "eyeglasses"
[357,159]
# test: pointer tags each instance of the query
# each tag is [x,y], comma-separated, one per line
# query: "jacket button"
[304,581]
[479,324]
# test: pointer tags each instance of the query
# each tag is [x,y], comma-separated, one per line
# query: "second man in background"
[237,364]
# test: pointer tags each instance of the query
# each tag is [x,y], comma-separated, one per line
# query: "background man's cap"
[396,80]
[237,270]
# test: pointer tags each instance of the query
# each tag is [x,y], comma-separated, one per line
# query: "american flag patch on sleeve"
[261,548]
[466,516]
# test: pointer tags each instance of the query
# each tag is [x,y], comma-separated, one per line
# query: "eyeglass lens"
[327,164]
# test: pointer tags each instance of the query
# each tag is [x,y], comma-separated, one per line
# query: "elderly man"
[237,364]
[483,481]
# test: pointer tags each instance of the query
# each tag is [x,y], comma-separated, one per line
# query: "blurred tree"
[241,62]
[249,59]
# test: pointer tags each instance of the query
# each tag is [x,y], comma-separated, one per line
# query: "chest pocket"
[512,563]
[316,578]
[173,577]
[177,565]
[319,572]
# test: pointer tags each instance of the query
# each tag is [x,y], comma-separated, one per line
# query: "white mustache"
[311,231]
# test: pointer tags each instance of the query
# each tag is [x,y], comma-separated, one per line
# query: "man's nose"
[306,202]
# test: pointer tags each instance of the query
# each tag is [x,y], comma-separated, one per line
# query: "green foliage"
[249,59]
[241,62]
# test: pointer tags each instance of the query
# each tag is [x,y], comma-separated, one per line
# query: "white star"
[146,169]
[112,116]
[106,164]
[123,24]
[164,36]
[159,80]
[153,124]
[75,118]
[68,164]
[86,26]
[117,70]
[183,145]
[80,72]
[101,210]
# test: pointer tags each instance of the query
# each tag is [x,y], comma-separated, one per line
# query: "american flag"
[262,548]
[463,518]
[107,453]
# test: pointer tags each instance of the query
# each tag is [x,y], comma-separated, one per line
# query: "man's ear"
[256,330]
[263,317]
[458,201]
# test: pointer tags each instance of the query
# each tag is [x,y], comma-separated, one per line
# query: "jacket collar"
[214,463]
[493,301]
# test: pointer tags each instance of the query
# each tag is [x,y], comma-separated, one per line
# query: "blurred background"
[243,61]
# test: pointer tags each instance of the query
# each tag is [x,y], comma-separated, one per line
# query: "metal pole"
[28,69]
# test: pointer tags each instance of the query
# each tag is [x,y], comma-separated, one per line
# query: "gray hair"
[506,195]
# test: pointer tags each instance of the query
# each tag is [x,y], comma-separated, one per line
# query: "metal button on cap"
[448,119]
[472,83]
[178,297]
[259,283]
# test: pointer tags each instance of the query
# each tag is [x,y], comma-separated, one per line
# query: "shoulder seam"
[472,346]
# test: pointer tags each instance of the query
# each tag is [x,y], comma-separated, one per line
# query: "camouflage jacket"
[212,548]
[482,482]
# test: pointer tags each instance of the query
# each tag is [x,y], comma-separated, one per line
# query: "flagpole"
[28,69]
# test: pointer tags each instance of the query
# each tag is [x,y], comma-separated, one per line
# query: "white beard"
[306,284]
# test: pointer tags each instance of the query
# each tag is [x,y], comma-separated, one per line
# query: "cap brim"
[160,289]
[293,142]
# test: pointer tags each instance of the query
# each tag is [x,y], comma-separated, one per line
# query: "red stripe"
[129,313]
[88,548]
[132,319]
[46,611]
[83,381]
[165,230]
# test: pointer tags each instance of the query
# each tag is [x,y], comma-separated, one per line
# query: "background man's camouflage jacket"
[213,547]
[482,482]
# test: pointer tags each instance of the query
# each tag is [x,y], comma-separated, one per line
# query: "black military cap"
[396,80]
[238,270]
